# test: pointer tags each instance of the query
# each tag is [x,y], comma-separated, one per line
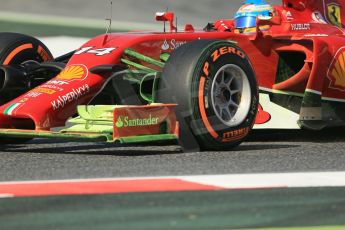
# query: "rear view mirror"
[166,17]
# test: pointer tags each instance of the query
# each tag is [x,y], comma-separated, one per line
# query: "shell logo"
[73,72]
[336,72]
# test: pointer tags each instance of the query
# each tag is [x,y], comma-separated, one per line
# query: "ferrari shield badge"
[334,14]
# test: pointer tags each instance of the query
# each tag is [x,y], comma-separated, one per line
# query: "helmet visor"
[245,22]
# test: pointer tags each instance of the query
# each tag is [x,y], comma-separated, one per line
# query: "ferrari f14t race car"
[268,67]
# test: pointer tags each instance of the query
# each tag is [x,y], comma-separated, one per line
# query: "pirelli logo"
[235,135]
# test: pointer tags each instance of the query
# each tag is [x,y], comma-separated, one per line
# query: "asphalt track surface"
[279,151]
[264,152]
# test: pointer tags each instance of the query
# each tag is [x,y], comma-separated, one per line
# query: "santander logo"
[172,44]
[165,45]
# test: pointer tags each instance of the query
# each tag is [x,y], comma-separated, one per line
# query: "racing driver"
[245,18]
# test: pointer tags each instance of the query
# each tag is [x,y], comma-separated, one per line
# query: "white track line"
[290,180]
[61,45]
[6,196]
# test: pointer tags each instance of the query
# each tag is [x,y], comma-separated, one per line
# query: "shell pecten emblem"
[336,71]
[73,72]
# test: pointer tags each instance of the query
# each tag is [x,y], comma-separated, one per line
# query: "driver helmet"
[246,16]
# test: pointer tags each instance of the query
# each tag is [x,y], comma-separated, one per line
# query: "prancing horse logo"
[334,14]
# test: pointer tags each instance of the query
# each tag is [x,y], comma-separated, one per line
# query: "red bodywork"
[306,28]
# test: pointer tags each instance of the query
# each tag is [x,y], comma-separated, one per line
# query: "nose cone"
[53,102]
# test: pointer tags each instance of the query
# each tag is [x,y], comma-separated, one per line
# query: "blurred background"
[64,17]
[83,19]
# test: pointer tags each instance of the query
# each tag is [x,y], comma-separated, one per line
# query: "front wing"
[116,124]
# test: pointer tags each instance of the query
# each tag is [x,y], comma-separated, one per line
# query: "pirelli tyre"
[16,49]
[215,88]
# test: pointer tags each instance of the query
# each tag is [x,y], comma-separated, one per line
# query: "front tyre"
[15,49]
[215,88]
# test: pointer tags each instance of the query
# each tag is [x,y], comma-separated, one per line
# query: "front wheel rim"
[231,95]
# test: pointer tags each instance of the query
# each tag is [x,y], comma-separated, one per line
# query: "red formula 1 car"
[200,87]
